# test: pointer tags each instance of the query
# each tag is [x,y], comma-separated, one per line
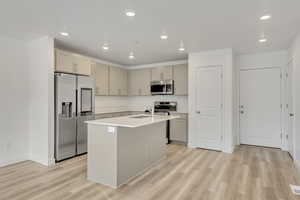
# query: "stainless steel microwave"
[165,87]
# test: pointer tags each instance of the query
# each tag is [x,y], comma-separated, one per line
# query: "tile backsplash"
[105,104]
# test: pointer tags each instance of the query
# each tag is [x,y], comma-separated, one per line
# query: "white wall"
[262,60]
[14,87]
[41,104]
[214,58]
[294,55]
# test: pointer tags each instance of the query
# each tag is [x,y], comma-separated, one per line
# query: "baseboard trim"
[297,165]
[14,161]
[229,150]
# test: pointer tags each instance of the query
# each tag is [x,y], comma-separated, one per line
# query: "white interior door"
[209,108]
[289,128]
[260,107]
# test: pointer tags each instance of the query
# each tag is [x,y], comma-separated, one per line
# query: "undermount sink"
[140,117]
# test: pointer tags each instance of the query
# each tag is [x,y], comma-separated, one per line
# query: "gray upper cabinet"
[71,63]
[162,73]
[180,75]
[100,74]
[63,61]
[117,81]
[139,82]
[124,82]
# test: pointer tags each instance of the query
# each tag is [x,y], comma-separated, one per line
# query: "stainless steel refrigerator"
[74,104]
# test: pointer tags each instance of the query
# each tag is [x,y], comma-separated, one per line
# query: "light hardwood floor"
[250,173]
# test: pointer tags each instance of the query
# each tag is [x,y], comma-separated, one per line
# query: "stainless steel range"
[165,108]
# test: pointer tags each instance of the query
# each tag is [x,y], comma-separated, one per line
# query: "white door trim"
[282,92]
[286,113]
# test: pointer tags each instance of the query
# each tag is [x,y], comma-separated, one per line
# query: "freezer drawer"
[82,133]
[65,138]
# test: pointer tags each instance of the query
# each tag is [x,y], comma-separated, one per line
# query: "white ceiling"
[201,24]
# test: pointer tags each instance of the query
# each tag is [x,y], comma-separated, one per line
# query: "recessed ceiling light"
[164,37]
[265,17]
[130,13]
[105,47]
[262,40]
[64,33]
[181,47]
[131,56]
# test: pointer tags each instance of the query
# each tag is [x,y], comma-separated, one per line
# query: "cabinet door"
[155,74]
[139,82]
[63,61]
[178,129]
[123,86]
[117,81]
[83,65]
[114,81]
[167,73]
[100,74]
[133,79]
[71,63]
[161,73]
[180,75]
[144,82]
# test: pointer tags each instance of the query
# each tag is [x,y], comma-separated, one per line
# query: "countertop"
[137,112]
[131,121]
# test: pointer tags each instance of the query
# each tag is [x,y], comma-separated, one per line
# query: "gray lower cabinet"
[179,129]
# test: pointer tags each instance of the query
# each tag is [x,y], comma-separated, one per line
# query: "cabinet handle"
[198,112]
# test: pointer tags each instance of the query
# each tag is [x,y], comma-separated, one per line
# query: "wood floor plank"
[250,173]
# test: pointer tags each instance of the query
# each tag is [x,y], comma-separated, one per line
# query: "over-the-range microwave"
[164,87]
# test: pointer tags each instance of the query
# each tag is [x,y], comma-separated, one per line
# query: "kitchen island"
[123,147]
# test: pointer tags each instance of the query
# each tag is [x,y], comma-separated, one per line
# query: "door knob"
[291,114]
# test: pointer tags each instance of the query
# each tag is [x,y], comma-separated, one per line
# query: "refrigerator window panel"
[86,100]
